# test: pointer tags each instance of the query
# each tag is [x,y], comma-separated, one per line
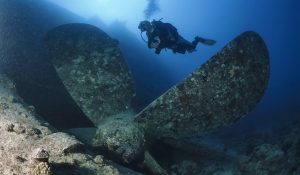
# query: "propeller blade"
[92,68]
[220,92]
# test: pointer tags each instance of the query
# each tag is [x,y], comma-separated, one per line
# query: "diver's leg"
[183,44]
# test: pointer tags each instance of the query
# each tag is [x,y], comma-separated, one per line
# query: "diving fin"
[209,42]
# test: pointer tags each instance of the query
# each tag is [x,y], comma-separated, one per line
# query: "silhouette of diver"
[164,35]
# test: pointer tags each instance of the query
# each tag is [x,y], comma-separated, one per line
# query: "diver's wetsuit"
[165,35]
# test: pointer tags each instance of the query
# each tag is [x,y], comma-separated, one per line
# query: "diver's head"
[145,26]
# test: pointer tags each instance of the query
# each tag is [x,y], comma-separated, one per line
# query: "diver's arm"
[154,42]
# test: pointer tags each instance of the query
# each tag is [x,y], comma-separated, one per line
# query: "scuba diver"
[164,35]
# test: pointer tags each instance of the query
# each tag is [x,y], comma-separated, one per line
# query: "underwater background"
[259,143]
[276,21]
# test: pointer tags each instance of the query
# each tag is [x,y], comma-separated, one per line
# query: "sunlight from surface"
[130,11]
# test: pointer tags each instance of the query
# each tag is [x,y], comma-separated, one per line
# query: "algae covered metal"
[220,92]
[92,68]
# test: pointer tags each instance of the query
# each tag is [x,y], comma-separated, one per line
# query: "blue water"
[276,21]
